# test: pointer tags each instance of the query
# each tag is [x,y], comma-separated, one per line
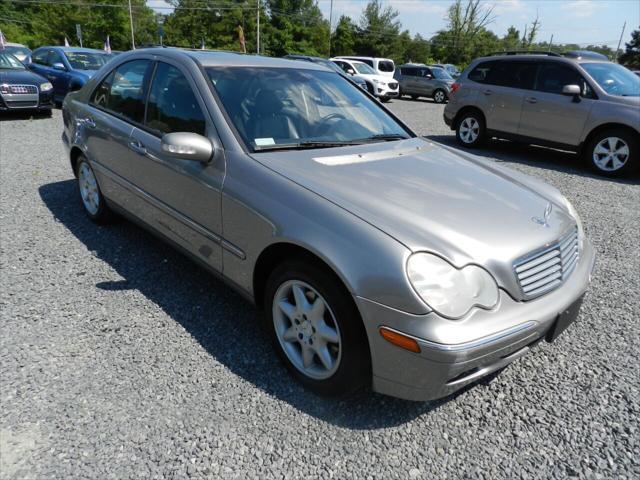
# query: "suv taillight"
[454,88]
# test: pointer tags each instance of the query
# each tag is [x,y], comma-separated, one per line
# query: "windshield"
[614,79]
[9,62]
[286,108]
[441,74]
[330,65]
[364,69]
[86,60]
[19,52]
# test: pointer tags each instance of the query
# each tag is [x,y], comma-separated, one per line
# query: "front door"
[549,115]
[58,78]
[185,194]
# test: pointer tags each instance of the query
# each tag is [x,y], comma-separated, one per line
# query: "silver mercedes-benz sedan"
[377,257]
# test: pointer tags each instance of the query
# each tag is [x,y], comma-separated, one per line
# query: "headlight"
[45,87]
[449,291]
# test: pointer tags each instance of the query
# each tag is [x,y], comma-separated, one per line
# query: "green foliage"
[631,55]
[344,38]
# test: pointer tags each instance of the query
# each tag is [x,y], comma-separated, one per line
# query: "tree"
[631,55]
[529,37]
[344,38]
[511,41]
[297,26]
[418,50]
[378,30]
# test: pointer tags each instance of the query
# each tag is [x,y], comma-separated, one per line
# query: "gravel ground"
[121,359]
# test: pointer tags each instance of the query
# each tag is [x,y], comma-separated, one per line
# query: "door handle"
[89,122]
[138,148]
[488,92]
[531,99]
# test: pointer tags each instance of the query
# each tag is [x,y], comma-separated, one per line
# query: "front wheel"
[316,329]
[613,152]
[470,130]
[439,96]
[93,201]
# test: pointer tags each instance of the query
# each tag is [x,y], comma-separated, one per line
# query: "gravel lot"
[121,359]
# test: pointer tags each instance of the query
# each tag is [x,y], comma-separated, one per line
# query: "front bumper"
[386,92]
[450,357]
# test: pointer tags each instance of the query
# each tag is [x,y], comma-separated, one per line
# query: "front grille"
[393,85]
[21,104]
[546,270]
[20,89]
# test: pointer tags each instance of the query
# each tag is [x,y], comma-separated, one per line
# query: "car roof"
[541,56]
[212,58]
[71,49]
[12,44]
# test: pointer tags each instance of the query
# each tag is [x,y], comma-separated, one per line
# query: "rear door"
[115,106]
[185,195]
[408,79]
[503,85]
[549,115]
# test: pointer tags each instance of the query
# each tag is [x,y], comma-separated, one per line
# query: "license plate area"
[564,319]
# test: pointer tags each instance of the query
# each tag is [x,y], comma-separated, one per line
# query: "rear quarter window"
[386,66]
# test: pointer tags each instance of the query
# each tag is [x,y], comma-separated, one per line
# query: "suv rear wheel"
[613,152]
[470,130]
[439,96]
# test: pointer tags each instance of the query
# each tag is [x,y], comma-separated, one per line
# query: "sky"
[569,21]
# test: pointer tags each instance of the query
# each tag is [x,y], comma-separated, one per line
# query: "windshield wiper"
[387,137]
[309,144]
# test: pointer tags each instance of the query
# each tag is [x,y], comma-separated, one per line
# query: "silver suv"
[419,80]
[580,104]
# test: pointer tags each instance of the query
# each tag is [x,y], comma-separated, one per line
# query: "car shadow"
[407,98]
[24,115]
[535,156]
[216,316]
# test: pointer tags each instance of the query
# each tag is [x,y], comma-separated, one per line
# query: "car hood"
[431,198]
[21,76]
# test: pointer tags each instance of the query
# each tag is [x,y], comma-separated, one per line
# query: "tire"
[471,130]
[93,202]
[348,366]
[613,152]
[385,99]
[440,96]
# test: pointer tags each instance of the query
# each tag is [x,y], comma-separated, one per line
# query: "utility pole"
[133,42]
[550,42]
[330,25]
[258,26]
[620,41]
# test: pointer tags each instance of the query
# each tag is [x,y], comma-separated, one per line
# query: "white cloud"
[508,6]
[581,8]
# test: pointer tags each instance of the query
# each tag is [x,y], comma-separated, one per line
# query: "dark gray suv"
[580,104]
[419,80]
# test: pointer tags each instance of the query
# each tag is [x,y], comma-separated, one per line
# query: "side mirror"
[351,71]
[59,66]
[572,90]
[428,76]
[188,146]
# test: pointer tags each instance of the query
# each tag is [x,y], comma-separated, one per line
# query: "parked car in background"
[580,104]
[332,66]
[585,54]
[637,72]
[380,86]
[419,80]
[450,68]
[21,89]
[382,66]
[19,51]
[376,256]
[67,68]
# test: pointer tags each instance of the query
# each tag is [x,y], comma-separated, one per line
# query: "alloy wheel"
[307,329]
[439,97]
[88,188]
[611,154]
[469,130]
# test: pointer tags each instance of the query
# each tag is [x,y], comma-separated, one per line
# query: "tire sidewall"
[444,96]
[481,134]
[633,162]
[354,370]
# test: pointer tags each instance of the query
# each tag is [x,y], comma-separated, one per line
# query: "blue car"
[67,68]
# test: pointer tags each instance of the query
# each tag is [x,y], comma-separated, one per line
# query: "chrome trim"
[545,269]
[457,347]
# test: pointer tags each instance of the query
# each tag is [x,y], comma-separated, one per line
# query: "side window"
[368,62]
[505,74]
[172,105]
[54,57]
[40,57]
[480,74]
[123,90]
[426,73]
[408,72]
[553,77]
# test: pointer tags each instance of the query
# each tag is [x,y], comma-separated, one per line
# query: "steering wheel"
[324,123]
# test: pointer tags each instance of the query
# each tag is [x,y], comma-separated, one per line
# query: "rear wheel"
[439,96]
[93,201]
[613,152]
[316,329]
[470,130]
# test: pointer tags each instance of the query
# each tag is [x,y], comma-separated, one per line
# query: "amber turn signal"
[400,340]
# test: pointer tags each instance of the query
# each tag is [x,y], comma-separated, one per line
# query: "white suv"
[382,66]
[381,86]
